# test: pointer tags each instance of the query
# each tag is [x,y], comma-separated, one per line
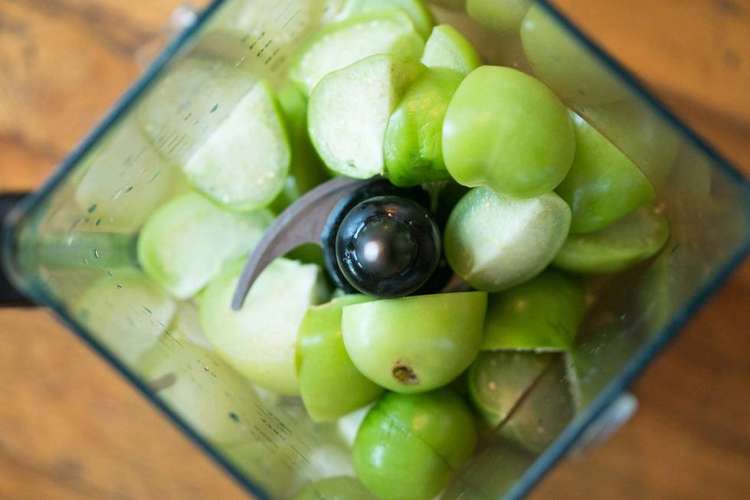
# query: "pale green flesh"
[349,110]
[201,388]
[259,340]
[544,413]
[444,337]
[260,36]
[447,48]
[348,425]
[496,242]
[188,103]
[186,242]
[223,128]
[124,179]
[348,42]
[126,312]
[306,170]
[244,163]
[186,326]
[285,450]
[633,239]
[415,9]
[497,381]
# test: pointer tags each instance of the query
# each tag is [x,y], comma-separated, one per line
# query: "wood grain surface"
[70,428]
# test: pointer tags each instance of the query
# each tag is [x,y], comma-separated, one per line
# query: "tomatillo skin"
[417,343]
[329,383]
[412,147]
[498,380]
[640,133]
[543,414]
[603,184]
[540,315]
[501,16]
[506,130]
[563,63]
[410,446]
[631,240]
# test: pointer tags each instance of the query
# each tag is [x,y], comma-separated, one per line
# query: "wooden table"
[72,429]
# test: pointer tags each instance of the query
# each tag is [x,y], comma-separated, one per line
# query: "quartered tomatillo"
[377,239]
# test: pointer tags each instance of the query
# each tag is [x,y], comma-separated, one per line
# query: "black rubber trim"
[9,295]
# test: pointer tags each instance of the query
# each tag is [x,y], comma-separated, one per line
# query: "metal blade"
[302,222]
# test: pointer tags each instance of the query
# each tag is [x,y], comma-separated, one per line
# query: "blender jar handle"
[9,295]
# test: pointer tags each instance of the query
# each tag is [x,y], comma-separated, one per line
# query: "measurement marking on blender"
[263,49]
[290,19]
[281,12]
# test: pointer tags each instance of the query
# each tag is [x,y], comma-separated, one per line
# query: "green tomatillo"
[329,383]
[498,380]
[412,146]
[543,414]
[639,132]
[562,62]
[260,339]
[506,130]
[630,240]
[417,343]
[540,315]
[410,446]
[349,109]
[603,184]
[344,43]
[501,16]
